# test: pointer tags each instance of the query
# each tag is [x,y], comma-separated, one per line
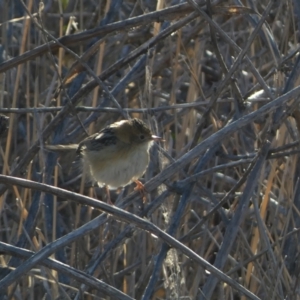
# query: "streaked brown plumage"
[119,153]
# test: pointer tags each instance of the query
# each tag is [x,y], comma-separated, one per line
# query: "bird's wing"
[98,141]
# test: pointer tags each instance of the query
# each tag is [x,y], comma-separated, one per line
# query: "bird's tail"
[61,147]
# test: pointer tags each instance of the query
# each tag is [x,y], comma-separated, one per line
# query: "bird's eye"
[142,137]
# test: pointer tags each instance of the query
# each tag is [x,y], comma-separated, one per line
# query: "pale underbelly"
[121,171]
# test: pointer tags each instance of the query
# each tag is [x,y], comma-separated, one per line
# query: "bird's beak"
[157,138]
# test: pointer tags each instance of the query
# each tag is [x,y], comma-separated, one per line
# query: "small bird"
[119,153]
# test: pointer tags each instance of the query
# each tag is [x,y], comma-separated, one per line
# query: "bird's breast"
[119,168]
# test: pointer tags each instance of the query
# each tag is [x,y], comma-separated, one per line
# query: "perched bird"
[119,153]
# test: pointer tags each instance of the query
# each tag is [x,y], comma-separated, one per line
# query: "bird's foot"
[141,188]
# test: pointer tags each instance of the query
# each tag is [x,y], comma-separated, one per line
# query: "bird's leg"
[141,188]
[108,195]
